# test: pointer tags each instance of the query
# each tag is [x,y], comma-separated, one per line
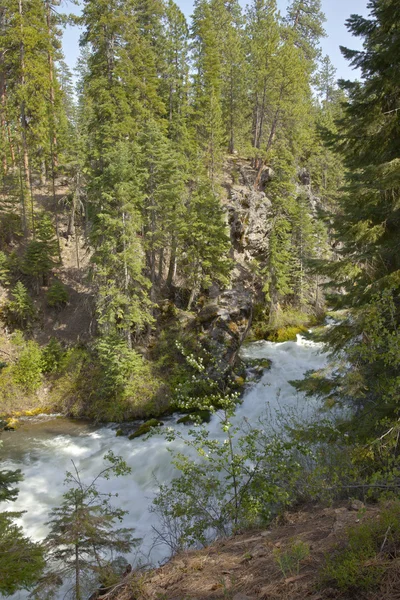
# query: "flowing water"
[43,450]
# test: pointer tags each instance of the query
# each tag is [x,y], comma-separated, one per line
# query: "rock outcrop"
[249,215]
[224,323]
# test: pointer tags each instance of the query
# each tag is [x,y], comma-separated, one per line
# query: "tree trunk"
[231,117]
[77,575]
[25,156]
[161,265]
[53,135]
[172,264]
[128,336]
[3,115]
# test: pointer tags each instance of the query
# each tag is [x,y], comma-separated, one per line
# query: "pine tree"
[263,39]
[176,72]
[119,98]
[42,253]
[82,531]
[21,560]
[21,308]
[365,277]
[207,88]
[205,241]
[306,19]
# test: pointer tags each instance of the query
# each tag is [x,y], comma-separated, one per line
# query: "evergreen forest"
[195,187]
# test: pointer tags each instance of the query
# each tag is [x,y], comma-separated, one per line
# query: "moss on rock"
[204,416]
[145,428]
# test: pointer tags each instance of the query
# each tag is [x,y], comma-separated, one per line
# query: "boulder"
[204,416]
[145,428]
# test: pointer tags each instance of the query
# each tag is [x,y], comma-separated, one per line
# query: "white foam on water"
[45,465]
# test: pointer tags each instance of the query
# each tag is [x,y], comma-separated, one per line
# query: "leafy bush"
[242,478]
[360,562]
[28,370]
[123,385]
[57,295]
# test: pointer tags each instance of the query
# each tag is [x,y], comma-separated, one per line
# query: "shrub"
[289,559]
[28,369]
[57,295]
[287,324]
[53,356]
[286,334]
[360,562]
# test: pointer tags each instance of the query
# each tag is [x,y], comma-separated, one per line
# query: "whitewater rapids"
[45,453]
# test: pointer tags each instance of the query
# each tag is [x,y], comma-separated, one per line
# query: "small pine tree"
[57,295]
[42,253]
[82,530]
[20,311]
[4,270]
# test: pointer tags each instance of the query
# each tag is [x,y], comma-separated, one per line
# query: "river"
[43,449]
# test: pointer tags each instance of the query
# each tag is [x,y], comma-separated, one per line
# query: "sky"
[336,12]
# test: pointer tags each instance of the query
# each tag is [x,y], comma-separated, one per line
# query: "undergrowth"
[361,560]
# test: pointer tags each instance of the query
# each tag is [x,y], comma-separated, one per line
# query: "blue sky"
[336,11]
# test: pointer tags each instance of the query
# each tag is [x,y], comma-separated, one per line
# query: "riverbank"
[44,452]
[284,562]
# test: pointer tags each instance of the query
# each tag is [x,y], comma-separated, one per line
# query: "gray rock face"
[249,216]
[224,323]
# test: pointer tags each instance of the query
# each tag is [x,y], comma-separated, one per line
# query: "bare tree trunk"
[126,282]
[3,99]
[12,151]
[3,115]
[25,156]
[270,138]
[231,120]
[161,265]
[77,575]
[172,264]
[53,134]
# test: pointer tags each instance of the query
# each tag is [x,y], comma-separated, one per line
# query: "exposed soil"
[244,567]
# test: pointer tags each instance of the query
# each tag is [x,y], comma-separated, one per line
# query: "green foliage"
[20,311]
[21,560]
[7,480]
[53,357]
[286,325]
[82,531]
[124,382]
[242,478]
[360,562]
[364,279]
[42,253]
[4,269]
[287,334]
[289,559]
[27,371]
[57,295]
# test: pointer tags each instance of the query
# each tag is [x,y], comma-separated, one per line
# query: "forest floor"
[245,567]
